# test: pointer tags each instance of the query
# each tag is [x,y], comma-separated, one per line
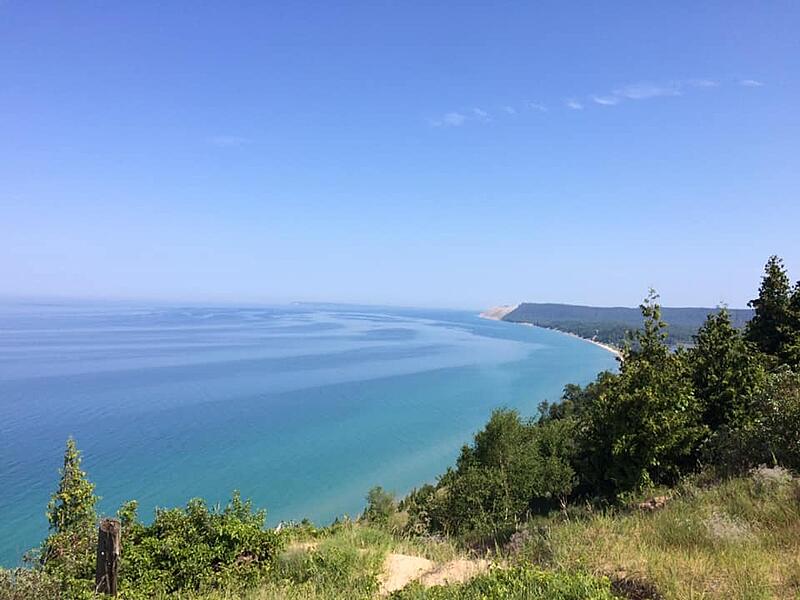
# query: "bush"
[28,584]
[195,548]
[417,506]
[517,583]
[769,435]
[512,468]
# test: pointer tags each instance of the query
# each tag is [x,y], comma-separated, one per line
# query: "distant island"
[609,324]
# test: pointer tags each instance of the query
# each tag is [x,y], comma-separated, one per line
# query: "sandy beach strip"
[498,312]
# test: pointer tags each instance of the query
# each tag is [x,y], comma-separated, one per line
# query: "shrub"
[512,468]
[28,584]
[195,548]
[417,506]
[771,433]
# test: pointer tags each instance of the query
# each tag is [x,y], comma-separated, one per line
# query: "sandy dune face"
[497,313]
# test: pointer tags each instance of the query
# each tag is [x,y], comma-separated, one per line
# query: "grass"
[342,562]
[736,540]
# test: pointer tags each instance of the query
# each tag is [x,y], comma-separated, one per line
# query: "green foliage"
[726,371]
[417,505]
[381,505]
[68,553]
[516,583]
[573,400]
[195,548]
[769,435]
[512,468]
[348,557]
[71,507]
[791,347]
[642,426]
[28,584]
[775,327]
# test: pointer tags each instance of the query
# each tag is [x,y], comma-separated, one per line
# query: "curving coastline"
[497,313]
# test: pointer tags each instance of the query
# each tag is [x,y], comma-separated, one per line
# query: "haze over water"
[303,408]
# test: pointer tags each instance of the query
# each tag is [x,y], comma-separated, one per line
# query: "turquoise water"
[302,408]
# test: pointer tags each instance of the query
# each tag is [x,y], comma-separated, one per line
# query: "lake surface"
[303,408]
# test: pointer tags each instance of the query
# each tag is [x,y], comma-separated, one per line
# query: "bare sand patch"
[401,569]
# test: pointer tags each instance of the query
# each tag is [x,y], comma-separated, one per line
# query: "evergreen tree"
[643,425]
[791,350]
[68,553]
[71,508]
[726,371]
[769,326]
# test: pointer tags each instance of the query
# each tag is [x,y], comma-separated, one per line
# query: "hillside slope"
[609,324]
[732,540]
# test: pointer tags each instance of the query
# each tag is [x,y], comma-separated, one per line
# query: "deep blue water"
[302,408]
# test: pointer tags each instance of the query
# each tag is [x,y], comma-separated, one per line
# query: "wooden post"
[108,548]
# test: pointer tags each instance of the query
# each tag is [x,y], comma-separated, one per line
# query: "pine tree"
[643,425]
[768,327]
[726,371]
[791,351]
[71,508]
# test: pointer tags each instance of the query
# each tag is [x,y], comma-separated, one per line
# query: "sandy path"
[401,569]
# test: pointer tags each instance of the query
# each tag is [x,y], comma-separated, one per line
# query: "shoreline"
[604,346]
[496,314]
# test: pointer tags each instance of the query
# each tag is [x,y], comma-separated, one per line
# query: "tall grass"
[737,540]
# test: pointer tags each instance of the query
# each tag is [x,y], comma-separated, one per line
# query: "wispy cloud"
[606,100]
[702,83]
[228,141]
[643,90]
[451,119]
[459,118]
[646,90]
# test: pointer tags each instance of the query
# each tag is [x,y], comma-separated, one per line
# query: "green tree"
[770,325]
[513,467]
[72,506]
[791,350]
[68,552]
[643,425]
[770,436]
[727,371]
[381,505]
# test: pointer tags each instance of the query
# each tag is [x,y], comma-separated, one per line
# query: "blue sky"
[433,154]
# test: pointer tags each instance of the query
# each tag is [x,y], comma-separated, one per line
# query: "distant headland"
[607,325]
